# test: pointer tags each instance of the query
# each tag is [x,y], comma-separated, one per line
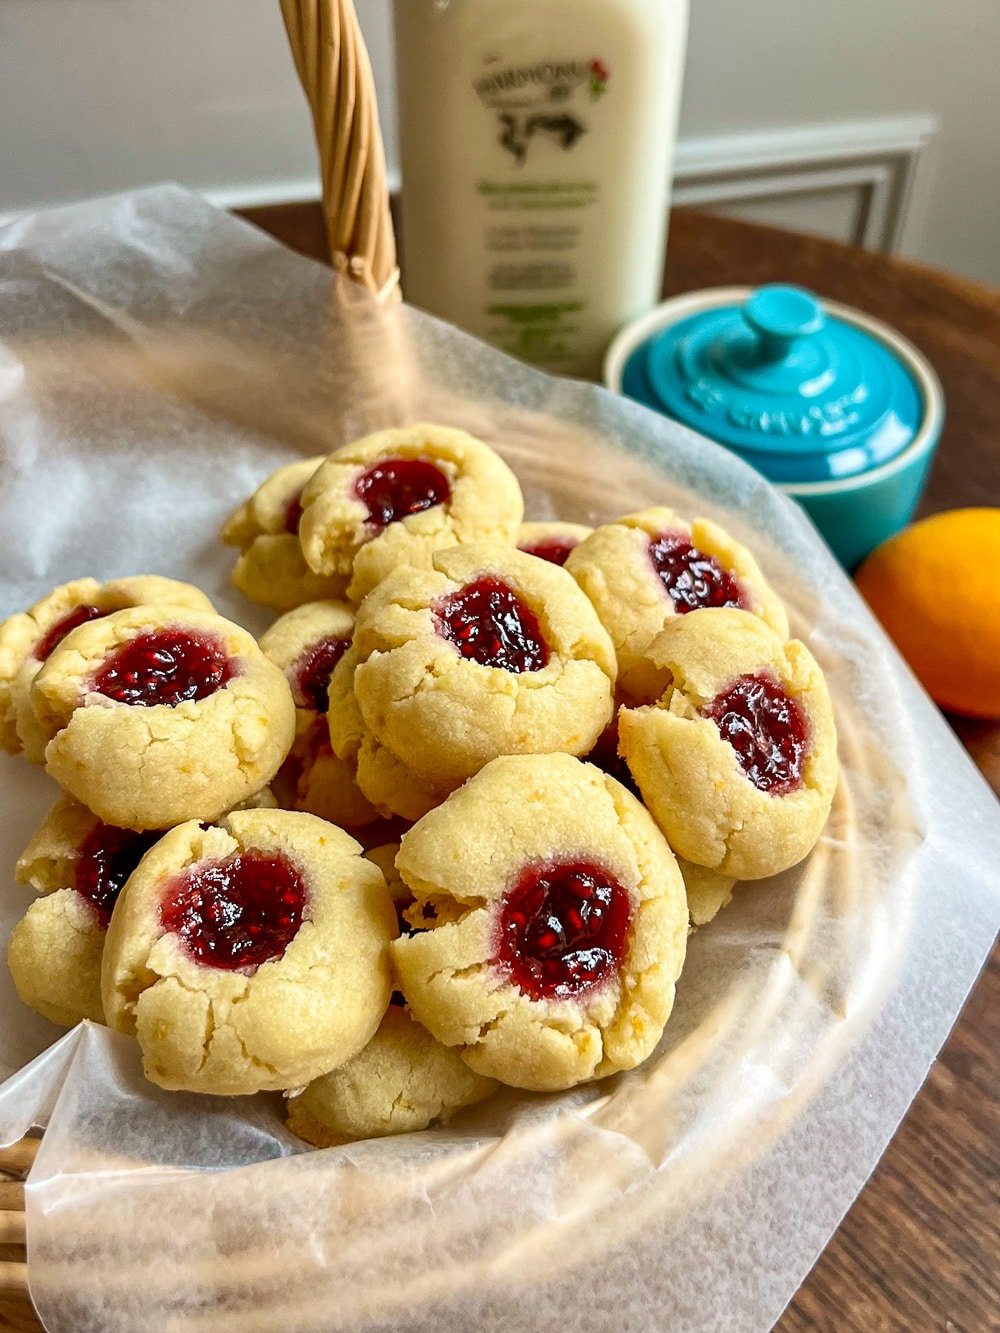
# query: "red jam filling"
[104,862]
[293,512]
[310,674]
[78,616]
[397,487]
[488,623]
[767,730]
[555,550]
[165,666]
[237,913]
[605,756]
[561,930]
[692,578]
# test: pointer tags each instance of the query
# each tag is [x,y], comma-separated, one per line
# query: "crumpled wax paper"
[157,360]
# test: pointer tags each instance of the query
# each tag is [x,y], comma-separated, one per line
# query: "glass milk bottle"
[537,138]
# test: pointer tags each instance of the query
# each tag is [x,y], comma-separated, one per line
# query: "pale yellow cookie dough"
[152,767]
[614,569]
[443,715]
[463,858]
[291,1019]
[394,789]
[21,635]
[690,777]
[384,856]
[313,778]
[402,1081]
[708,892]
[271,569]
[485,504]
[48,863]
[546,533]
[296,633]
[54,955]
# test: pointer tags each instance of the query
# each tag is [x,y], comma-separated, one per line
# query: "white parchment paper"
[157,360]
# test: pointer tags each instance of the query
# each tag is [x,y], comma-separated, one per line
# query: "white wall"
[777,62]
[99,95]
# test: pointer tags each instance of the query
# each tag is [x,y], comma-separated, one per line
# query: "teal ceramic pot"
[831,405]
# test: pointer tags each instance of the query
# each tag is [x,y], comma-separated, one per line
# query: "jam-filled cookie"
[651,565]
[399,495]
[78,866]
[307,644]
[271,569]
[737,761]
[403,1080]
[249,956]
[29,638]
[556,923]
[156,715]
[491,652]
[551,540]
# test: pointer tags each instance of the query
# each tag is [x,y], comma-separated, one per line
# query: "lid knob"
[779,316]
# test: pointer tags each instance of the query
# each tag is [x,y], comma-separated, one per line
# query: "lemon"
[936,589]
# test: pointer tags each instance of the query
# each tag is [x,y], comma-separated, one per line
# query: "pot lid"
[802,393]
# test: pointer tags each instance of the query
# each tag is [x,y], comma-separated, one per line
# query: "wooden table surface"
[919,1248]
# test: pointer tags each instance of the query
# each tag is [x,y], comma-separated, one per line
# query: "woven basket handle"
[333,66]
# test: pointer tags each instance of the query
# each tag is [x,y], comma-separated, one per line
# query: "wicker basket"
[335,71]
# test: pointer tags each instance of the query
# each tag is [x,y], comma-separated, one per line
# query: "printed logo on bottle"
[542,101]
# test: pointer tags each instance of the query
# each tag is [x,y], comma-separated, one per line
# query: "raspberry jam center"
[397,487]
[310,675]
[106,858]
[766,728]
[488,623]
[165,666]
[555,550]
[78,616]
[561,930]
[237,913]
[692,578]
